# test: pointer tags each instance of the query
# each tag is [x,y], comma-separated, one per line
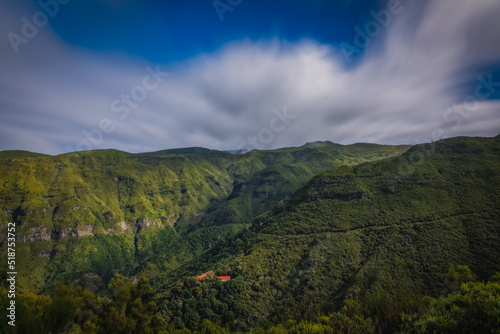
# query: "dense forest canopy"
[322,238]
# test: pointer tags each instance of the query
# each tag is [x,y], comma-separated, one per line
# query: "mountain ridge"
[168,205]
[300,231]
[188,149]
[354,230]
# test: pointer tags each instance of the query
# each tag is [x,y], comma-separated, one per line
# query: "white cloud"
[398,93]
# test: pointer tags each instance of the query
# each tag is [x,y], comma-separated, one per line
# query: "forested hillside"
[395,225]
[82,217]
[321,239]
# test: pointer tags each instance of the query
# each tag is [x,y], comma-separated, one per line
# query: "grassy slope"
[87,215]
[54,198]
[396,224]
[263,178]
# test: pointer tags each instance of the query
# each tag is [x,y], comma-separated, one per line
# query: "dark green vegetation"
[129,307]
[125,308]
[81,217]
[395,225]
[353,250]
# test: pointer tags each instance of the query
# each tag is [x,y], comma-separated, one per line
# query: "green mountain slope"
[263,178]
[396,225]
[81,217]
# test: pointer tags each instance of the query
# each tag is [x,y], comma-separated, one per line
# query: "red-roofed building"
[222,278]
[202,275]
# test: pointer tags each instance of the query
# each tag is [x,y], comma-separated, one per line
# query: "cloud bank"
[422,77]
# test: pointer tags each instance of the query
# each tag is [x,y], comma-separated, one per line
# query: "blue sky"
[163,31]
[226,74]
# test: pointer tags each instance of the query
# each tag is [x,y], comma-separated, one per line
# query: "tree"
[475,308]
[458,274]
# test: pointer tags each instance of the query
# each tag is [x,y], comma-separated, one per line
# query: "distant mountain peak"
[319,143]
